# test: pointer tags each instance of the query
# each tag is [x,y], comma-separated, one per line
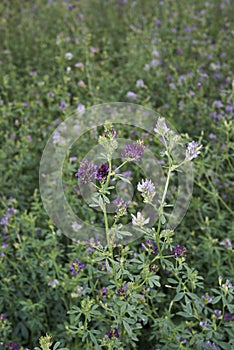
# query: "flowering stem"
[104,208]
[165,190]
[125,162]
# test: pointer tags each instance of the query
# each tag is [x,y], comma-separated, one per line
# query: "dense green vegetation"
[172,57]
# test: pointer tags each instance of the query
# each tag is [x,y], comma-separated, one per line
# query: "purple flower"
[140,83]
[133,151]
[227,285]
[113,333]
[157,21]
[54,283]
[228,317]
[211,344]
[179,251]
[131,95]
[110,134]
[161,127]
[150,245]
[122,291]
[3,317]
[103,292]
[218,314]
[33,72]
[102,172]
[76,266]
[203,324]
[207,299]
[212,136]
[102,266]
[87,172]
[12,346]
[62,105]
[218,104]
[226,243]
[193,149]
[147,189]
[120,204]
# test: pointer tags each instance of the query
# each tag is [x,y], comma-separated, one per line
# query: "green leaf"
[56,345]
[178,296]
[127,328]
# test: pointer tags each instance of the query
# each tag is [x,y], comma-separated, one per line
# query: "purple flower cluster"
[6,217]
[226,243]
[102,172]
[102,266]
[193,149]
[147,190]
[110,134]
[122,292]
[179,251]
[133,151]
[12,346]
[113,333]
[150,245]
[207,299]
[88,172]
[3,317]
[103,292]
[211,344]
[76,266]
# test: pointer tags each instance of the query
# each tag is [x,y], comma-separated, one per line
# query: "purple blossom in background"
[229,108]
[140,83]
[102,172]
[54,283]
[212,136]
[12,346]
[76,266]
[80,108]
[87,172]
[79,65]
[6,217]
[33,72]
[131,95]
[62,105]
[133,151]
[193,149]
[211,344]
[113,333]
[218,104]
[226,243]
[228,317]
[3,317]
